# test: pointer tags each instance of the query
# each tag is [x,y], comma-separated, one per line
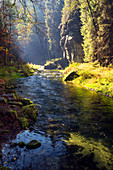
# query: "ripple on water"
[67,114]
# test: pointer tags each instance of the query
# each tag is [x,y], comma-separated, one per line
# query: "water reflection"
[95,112]
[81,118]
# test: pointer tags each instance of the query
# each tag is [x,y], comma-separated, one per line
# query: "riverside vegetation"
[92,76]
[16,113]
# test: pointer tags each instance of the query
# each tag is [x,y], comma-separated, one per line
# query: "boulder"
[21,144]
[50,66]
[71,76]
[33,144]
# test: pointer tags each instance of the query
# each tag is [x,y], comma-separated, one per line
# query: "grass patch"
[15,71]
[93,77]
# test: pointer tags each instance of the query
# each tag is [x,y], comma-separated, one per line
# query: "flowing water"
[75,127]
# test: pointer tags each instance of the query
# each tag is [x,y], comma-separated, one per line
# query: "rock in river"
[33,144]
[71,76]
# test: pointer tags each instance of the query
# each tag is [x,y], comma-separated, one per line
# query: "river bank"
[16,113]
[92,76]
[74,127]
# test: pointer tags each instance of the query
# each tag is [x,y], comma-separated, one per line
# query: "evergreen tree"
[52,21]
[105,33]
[97,28]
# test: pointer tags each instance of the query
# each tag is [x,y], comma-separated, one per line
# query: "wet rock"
[33,144]
[23,122]
[29,111]
[12,113]
[26,101]
[12,99]
[31,128]
[71,76]
[50,66]
[13,145]
[3,100]
[15,103]
[8,95]
[21,144]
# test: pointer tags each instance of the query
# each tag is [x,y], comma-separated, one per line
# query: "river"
[75,127]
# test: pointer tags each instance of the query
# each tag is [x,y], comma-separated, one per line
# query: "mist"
[36,51]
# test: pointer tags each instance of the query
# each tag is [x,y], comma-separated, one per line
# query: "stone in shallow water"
[21,144]
[33,144]
[71,76]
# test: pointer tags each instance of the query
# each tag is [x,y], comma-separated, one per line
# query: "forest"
[56,84]
[81,30]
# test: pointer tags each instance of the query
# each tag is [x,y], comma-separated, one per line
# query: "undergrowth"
[15,71]
[92,76]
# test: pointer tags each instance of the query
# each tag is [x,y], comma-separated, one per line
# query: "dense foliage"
[17,21]
[86,23]
[52,20]
[97,27]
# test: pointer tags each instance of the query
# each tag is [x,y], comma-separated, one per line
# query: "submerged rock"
[71,76]
[33,144]
[31,128]
[21,144]
[13,145]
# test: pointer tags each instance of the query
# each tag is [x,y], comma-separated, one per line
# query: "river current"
[75,127]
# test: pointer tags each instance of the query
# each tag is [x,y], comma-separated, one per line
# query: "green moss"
[92,76]
[15,95]
[23,122]
[15,103]
[29,111]
[26,101]
[13,72]
[12,113]
[33,144]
